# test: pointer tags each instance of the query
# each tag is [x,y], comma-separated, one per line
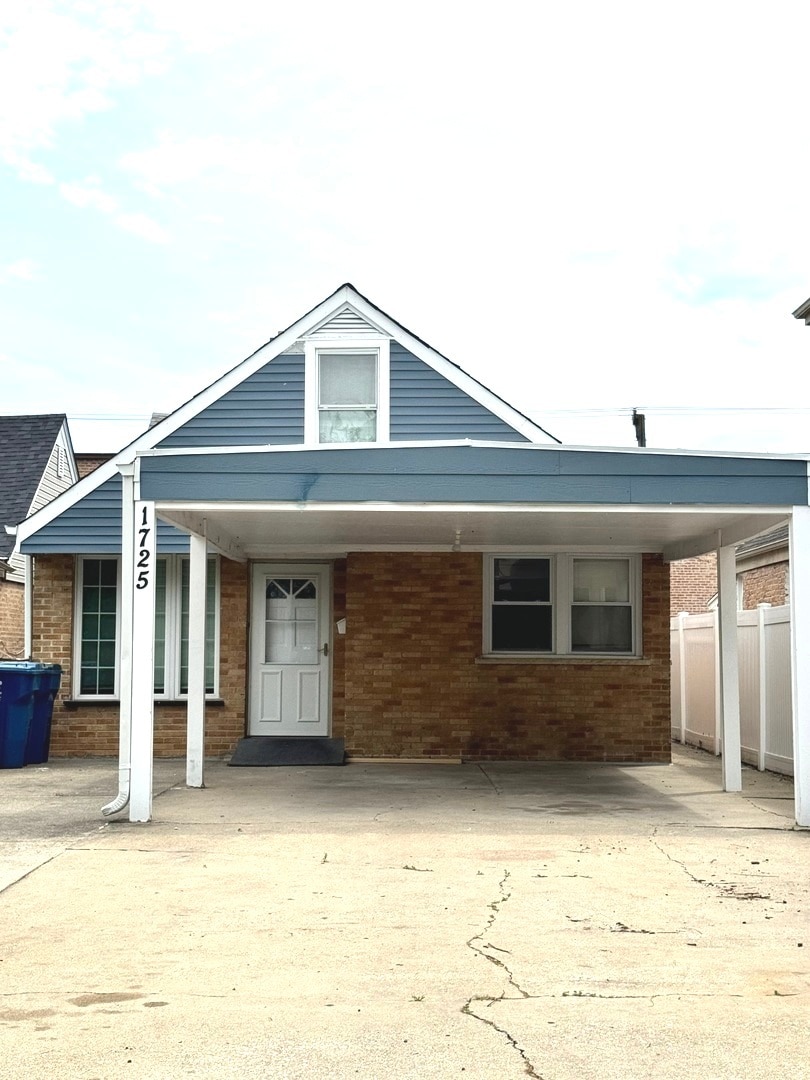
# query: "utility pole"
[639,425]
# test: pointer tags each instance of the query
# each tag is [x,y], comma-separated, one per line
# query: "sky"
[590,207]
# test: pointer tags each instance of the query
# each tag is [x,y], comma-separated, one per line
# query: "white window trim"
[381,347]
[174,581]
[561,602]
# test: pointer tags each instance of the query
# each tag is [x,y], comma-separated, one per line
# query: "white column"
[800,658]
[682,617]
[125,660]
[195,738]
[729,668]
[762,657]
[139,577]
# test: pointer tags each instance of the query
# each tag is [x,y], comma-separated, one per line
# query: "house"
[347,536]
[36,463]
[763,576]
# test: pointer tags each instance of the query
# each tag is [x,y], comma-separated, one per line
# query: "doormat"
[265,750]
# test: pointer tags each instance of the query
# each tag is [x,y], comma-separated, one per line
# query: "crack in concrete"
[495,787]
[466,1009]
[528,1068]
[726,888]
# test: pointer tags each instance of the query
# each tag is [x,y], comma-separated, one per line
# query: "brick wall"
[766,585]
[693,582]
[414,688]
[92,730]
[405,678]
[87,463]
[12,619]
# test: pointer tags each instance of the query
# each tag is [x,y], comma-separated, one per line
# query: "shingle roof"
[26,443]
[777,537]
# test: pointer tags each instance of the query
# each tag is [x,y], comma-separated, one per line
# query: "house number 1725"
[144,548]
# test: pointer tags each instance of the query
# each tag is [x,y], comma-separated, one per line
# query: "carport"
[275,502]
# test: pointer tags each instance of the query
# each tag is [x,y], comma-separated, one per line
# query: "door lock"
[325,648]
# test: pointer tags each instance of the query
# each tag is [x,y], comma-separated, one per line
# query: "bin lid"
[32,666]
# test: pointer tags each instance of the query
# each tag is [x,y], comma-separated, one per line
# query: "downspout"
[28,616]
[125,684]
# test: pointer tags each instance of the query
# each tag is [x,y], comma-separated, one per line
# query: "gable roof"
[343,304]
[26,443]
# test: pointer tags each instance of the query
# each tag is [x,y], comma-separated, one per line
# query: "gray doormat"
[263,750]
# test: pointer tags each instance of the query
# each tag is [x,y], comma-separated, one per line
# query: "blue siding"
[476,474]
[266,409]
[93,527]
[425,405]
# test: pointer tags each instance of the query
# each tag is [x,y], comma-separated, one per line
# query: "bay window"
[98,627]
[562,605]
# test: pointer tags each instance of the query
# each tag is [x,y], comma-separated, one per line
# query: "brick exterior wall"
[766,585]
[414,688]
[92,730]
[693,582]
[12,619]
[406,676]
[87,463]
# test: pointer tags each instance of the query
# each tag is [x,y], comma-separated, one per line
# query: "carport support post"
[139,576]
[800,658]
[729,668]
[195,736]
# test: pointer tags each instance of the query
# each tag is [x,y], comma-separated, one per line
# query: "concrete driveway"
[497,921]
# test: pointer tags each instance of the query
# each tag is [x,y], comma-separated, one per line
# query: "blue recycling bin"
[27,693]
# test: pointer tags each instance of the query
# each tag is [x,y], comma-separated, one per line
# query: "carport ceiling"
[262,530]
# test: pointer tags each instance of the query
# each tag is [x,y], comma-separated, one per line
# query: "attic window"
[347,391]
[347,397]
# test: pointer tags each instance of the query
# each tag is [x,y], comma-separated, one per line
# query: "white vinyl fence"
[763,639]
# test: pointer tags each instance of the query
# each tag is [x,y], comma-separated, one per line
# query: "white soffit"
[260,531]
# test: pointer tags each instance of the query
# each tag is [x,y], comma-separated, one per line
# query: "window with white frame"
[562,605]
[98,626]
[347,397]
[347,391]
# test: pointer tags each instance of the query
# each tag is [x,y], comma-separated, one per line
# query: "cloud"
[58,66]
[144,226]
[22,270]
[89,195]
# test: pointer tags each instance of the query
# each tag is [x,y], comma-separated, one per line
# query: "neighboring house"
[87,463]
[693,584]
[763,570]
[36,464]
[356,539]
[763,576]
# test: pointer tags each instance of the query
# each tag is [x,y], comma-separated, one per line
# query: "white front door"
[289,650]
